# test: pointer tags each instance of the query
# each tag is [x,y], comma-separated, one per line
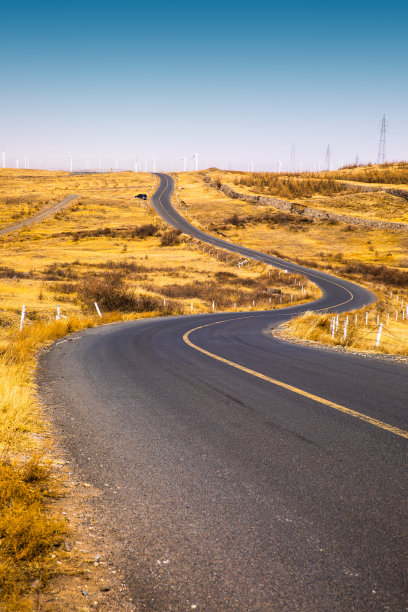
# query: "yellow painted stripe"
[278,383]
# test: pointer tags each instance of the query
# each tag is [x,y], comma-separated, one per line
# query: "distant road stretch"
[47,211]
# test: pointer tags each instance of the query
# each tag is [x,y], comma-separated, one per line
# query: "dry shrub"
[228,288]
[109,291]
[392,174]
[170,238]
[292,186]
[266,217]
[384,274]
[138,231]
[27,533]
[57,271]
[111,294]
[63,287]
[6,272]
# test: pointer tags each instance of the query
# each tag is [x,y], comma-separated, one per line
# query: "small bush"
[57,271]
[138,231]
[292,186]
[384,274]
[6,272]
[170,238]
[109,291]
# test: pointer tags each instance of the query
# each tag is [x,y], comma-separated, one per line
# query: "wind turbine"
[154,163]
[136,165]
[184,159]
[195,156]
[70,163]
[3,158]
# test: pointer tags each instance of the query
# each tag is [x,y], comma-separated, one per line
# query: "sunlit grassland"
[360,335]
[107,247]
[376,258]
[323,191]
[318,241]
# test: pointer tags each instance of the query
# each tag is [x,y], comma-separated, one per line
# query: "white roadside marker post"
[377,342]
[366,318]
[388,318]
[396,315]
[213,306]
[191,307]
[97,310]
[332,326]
[23,312]
[164,302]
[355,319]
[345,331]
[337,322]
[57,318]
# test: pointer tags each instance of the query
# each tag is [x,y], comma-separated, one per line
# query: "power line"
[328,156]
[293,157]
[381,147]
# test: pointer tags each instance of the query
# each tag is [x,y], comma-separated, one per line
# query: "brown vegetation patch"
[295,186]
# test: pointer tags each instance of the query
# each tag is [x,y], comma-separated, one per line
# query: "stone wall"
[307,211]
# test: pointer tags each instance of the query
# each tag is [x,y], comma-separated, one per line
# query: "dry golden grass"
[360,335]
[376,258]
[323,191]
[320,243]
[388,174]
[108,247]
[28,534]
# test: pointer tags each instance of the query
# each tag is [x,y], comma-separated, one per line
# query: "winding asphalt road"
[239,472]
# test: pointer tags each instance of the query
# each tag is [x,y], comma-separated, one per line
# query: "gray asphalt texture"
[46,211]
[223,491]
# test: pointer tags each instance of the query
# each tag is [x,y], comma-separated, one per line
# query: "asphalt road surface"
[239,472]
[46,211]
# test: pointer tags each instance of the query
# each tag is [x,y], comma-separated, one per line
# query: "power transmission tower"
[293,157]
[328,155]
[381,147]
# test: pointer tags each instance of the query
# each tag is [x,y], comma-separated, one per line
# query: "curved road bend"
[256,475]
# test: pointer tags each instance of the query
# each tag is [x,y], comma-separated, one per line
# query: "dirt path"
[45,212]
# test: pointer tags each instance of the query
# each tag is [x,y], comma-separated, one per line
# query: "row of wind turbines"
[194,157]
[137,164]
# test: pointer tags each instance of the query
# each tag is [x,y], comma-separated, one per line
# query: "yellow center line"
[278,383]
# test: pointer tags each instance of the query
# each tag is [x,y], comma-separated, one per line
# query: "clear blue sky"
[235,82]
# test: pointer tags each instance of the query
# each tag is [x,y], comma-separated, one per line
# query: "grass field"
[373,257]
[332,191]
[107,247]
